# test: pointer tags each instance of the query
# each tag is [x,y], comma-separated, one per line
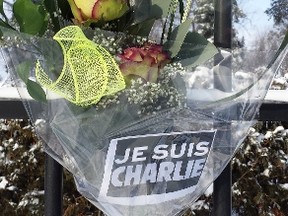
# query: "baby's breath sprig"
[108,42]
[108,101]
[170,71]
[149,98]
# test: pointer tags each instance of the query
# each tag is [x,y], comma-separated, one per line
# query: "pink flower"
[145,61]
[95,10]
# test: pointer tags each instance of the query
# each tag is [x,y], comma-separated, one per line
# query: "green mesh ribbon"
[89,71]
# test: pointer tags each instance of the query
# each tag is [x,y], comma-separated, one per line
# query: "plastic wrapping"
[148,157]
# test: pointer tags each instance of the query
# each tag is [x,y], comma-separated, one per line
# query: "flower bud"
[145,61]
[95,10]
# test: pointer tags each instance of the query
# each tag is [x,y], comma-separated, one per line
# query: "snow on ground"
[3,182]
[284,186]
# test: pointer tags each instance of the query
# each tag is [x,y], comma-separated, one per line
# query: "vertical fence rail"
[222,195]
[53,187]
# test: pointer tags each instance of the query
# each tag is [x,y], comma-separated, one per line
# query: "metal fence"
[222,195]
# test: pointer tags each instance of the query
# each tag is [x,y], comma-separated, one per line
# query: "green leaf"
[161,5]
[23,70]
[141,11]
[150,9]
[32,18]
[195,50]
[142,29]
[36,91]
[177,37]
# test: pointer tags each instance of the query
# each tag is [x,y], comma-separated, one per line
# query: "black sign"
[153,168]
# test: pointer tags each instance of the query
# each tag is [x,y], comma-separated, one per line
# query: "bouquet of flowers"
[115,102]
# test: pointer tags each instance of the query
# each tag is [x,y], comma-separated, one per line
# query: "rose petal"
[149,60]
[109,9]
[149,74]
[86,6]
[144,61]
[77,13]
[133,54]
[161,57]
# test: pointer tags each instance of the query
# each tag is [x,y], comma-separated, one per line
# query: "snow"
[284,186]
[280,81]
[237,192]
[200,204]
[243,75]
[4,127]
[247,149]
[31,198]
[3,182]
[268,135]
[200,78]
[278,129]
[15,146]
[266,172]
[255,134]
[209,191]
[11,188]
[23,202]
[33,148]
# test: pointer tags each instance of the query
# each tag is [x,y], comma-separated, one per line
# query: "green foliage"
[195,50]
[278,11]
[23,70]
[177,38]
[22,166]
[36,91]
[260,172]
[163,5]
[143,28]
[32,18]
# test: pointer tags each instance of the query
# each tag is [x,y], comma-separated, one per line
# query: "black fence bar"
[222,192]
[223,23]
[12,109]
[53,186]
[273,112]
[269,111]
[54,171]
